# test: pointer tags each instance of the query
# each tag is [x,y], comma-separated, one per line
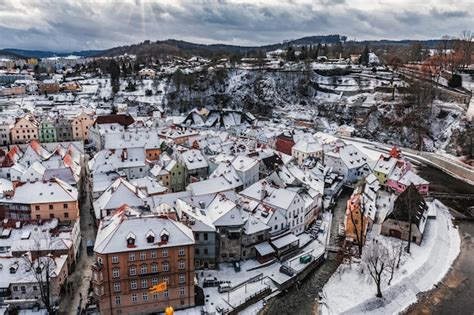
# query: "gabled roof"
[113,231]
[124,120]
[409,204]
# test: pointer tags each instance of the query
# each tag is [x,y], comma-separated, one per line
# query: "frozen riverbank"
[351,292]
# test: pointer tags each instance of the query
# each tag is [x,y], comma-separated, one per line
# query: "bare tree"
[395,254]
[359,232]
[467,45]
[42,268]
[377,261]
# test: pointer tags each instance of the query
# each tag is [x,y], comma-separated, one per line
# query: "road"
[81,277]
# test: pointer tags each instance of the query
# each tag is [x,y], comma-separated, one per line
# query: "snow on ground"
[270,275]
[350,292]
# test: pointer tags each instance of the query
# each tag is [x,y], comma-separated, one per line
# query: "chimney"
[124,154]
[202,204]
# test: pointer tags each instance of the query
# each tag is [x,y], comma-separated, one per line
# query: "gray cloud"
[67,25]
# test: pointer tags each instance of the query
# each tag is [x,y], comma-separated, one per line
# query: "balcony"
[97,266]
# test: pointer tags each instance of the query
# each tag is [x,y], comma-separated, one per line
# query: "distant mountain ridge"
[183,48]
[25,53]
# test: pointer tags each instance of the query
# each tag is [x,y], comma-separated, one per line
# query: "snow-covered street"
[351,292]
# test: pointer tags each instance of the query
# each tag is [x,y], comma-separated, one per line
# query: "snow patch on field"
[352,292]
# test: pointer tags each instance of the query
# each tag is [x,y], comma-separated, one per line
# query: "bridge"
[450,196]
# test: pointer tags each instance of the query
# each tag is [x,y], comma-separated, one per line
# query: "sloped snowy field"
[351,292]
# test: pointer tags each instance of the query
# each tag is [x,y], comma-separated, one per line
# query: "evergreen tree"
[290,54]
[364,57]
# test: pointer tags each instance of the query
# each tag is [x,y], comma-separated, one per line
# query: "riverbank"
[350,291]
[455,293]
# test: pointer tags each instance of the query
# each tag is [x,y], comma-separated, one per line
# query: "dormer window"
[150,237]
[164,236]
[131,240]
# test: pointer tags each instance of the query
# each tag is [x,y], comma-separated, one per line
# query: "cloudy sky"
[67,25]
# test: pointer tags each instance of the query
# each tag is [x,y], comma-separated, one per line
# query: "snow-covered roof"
[193,159]
[55,190]
[264,249]
[209,186]
[113,231]
[306,146]
[284,241]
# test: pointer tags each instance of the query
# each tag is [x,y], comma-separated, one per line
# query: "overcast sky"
[67,25]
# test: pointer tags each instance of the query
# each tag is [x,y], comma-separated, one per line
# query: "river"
[454,295]
[302,300]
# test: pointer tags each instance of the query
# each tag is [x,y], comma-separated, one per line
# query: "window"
[23,289]
[144,283]
[182,278]
[156,296]
[206,251]
[154,254]
[205,236]
[35,288]
[154,281]
[142,255]
[166,266]
[131,257]
[143,269]
[165,294]
[133,285]
[164,253]
[181,264]
[115,272]
[66,214]
[117,300]
[38,217]
[166,280]
[154,268]
[133,270]
[134,298]
[145,296]
[115,259]
[37,207]
[116,286]
[181,251]
[197,251]
[15,288]
[181,291]
[51,207]
[51,215]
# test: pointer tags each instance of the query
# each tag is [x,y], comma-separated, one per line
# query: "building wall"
[206,251]
[109,288]
[64,130]
[355,226]
[284,145]
[230,243]
[5,134]
[153,154]
[401,230]
[80,126]
[64,211]
[24,131]
[47,132]
[178,178]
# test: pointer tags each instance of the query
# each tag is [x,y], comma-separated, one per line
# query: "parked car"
[224,287]
[210,282]
[236,266]
[286,270]
[90,247]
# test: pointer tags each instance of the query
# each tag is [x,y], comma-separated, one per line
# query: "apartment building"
[135,251]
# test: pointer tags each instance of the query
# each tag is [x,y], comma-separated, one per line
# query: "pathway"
[81,277]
